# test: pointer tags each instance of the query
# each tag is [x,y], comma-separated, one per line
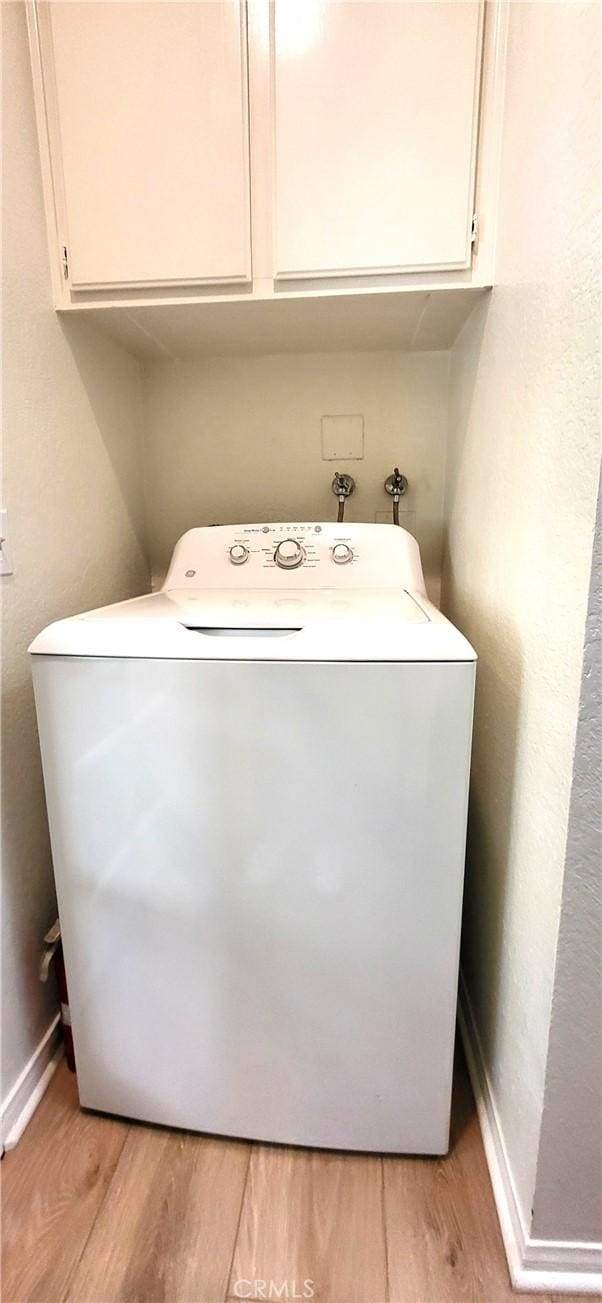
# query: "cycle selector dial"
[238,554]
[289,554]
[341,554]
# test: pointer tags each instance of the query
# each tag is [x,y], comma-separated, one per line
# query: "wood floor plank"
[443,1239]
[53,1184]
[167,1229]
[103,1211]
[312,1216]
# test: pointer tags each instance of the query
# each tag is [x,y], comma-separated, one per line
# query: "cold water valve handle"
[396,485]
[342,487]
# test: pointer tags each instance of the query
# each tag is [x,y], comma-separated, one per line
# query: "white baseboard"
[550,1266]
[23,1099]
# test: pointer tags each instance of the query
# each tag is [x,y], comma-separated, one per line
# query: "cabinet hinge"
[65,262]
[474,230]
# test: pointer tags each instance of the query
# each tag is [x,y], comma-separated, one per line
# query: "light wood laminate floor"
[96,1210]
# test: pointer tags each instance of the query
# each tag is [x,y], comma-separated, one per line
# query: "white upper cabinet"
[198,150]
[146,108]
[375,106]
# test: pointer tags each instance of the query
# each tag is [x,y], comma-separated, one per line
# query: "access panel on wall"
[375,107]
[147,107]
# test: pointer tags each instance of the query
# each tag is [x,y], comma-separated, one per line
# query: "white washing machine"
[257,783]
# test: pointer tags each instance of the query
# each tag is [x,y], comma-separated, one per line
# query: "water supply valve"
[396,485]
[342,486]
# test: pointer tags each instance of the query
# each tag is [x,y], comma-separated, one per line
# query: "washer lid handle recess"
[216,632]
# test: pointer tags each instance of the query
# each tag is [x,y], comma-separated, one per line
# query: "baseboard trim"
[23,1099]
[555,1266]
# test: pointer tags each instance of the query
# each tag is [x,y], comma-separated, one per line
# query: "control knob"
[289,554]
[239,554]
[341,554]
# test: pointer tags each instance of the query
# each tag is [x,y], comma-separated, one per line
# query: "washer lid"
[373,625]
[285,608]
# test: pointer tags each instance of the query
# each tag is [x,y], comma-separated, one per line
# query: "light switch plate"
[342,438]
[5,561]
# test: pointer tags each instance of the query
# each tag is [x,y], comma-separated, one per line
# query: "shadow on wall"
[493,784]
[477,324]
[499,685]
[117,409]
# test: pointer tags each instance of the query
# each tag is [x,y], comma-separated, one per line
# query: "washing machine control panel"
[288,547]
[295,555]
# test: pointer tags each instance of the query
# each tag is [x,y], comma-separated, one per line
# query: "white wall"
[568,1193]
[72,485]
[521,491]
[234,439]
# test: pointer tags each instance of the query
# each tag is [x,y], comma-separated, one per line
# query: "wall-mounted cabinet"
[375,122]
[146,106]
[201,151]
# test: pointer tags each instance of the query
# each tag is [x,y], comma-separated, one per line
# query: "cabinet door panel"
[375,106]
[151,102]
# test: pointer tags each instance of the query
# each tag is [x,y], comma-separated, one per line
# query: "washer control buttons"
[239,554]
[289,554]
[341,554]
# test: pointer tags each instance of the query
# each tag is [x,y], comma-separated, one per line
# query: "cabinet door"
[375,109]
[150,110]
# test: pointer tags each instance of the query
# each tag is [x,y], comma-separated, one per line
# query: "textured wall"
[522,478]
[72,485]
[568,1191]
[233,439]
